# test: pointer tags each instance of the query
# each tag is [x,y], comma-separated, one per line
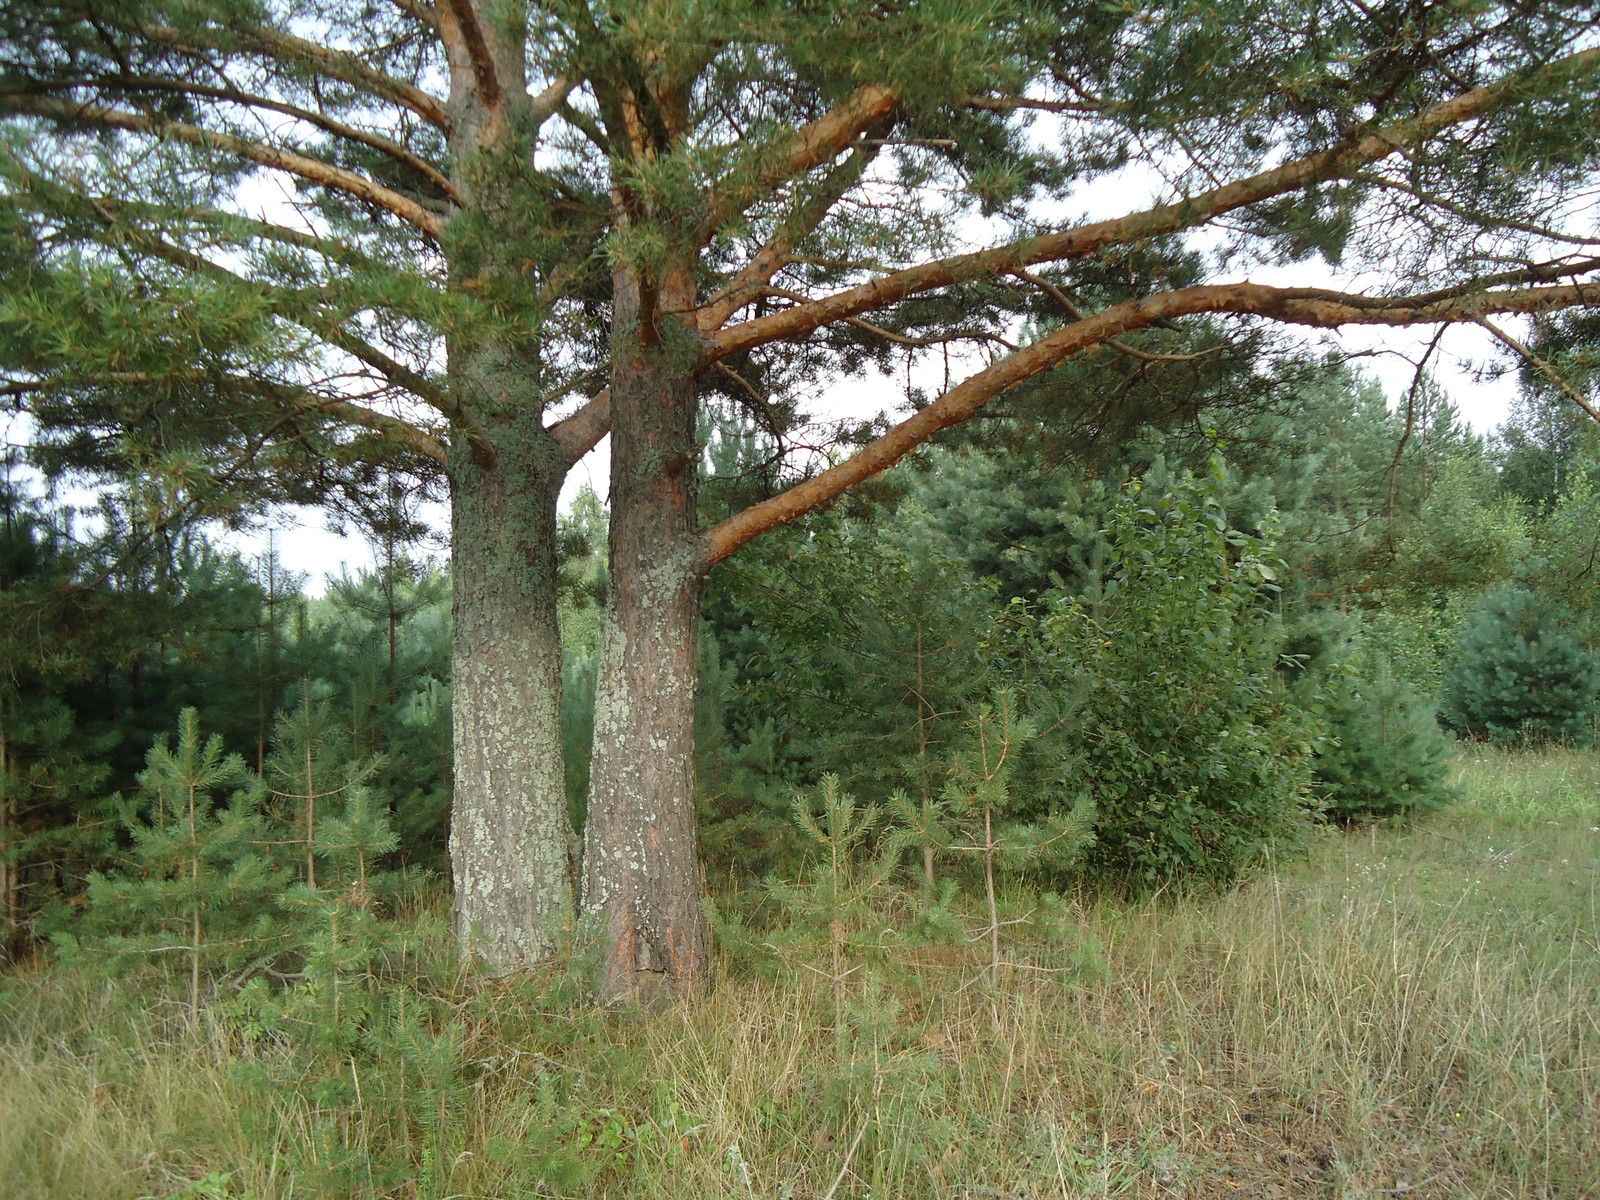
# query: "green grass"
[1409,1012]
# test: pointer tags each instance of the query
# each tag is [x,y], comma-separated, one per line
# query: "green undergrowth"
[1410,1011]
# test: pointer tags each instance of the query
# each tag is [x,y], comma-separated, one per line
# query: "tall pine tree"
[251,248]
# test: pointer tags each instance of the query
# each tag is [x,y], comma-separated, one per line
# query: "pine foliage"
[1521,674]
[1383,753]
[200,881]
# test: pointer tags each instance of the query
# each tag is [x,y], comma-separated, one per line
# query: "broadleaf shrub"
[1193,752]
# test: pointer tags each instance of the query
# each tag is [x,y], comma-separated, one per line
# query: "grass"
[1409,1012]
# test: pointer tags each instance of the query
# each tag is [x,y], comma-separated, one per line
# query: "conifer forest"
[1052,696]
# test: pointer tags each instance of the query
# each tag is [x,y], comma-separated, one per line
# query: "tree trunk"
[10,862]
[511,838]
[641,865]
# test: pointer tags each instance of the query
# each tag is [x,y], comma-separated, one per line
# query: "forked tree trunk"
[511,841]
[641,866]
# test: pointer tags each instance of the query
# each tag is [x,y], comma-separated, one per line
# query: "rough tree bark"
[641,870]
[511,839]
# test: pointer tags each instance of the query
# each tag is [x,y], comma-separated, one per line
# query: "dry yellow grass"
[1412,1012]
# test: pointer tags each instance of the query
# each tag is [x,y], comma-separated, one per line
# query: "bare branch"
[274,157]
[399,374]
[338,64]
[1540,364]
[935,339]
[1340,160]
[808,147]
[1433,200]
[1303,306]
[1418,377]
[1018,103]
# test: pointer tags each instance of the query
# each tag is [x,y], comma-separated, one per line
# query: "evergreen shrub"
[1384,754]
[1521,675]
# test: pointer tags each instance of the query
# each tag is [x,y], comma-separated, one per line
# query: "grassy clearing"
[1412,1012]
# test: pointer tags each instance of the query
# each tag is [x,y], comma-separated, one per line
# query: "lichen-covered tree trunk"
[641,865]
[511,840]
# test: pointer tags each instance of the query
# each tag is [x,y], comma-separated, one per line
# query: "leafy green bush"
[1164,680]
[1385,754]
[1521,676]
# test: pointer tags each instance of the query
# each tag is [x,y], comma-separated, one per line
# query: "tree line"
[1031,655]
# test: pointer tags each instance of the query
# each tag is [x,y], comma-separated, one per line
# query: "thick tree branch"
[337,64]
[808,147]
[791,231]
[1076,313]
[582,431]
[1337,161]
[1301,306]
[552,99]
[402,433]
[460,24]
[311,169]
[399,374]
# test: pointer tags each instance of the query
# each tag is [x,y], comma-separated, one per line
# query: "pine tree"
[1521,675]
[542,222]
[979,796]
[205,881]
[836,897]
[1384,754]
[310,771]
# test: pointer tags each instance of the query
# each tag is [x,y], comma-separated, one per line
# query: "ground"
[1408,1012]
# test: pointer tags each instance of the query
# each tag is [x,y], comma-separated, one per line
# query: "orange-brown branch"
[808,147]
[1335,162]
[1301,306]
[275,157]
[791,231]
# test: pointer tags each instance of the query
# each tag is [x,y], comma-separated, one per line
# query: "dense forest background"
[1122,657]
